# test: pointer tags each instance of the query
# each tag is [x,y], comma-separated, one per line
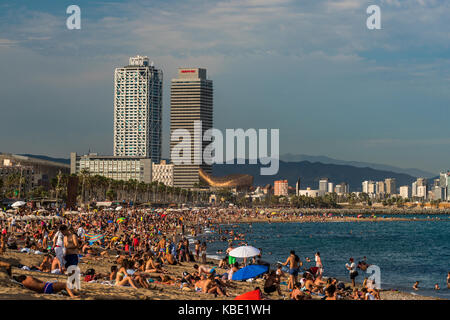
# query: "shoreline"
[158,291]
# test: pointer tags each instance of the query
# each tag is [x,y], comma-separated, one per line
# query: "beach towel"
[92,237]
[251,295]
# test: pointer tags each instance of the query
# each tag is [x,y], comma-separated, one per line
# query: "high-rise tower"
[191,100]
[138,110]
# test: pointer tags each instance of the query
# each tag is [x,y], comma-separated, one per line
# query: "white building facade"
[117,168]
[163,172]
[138,94]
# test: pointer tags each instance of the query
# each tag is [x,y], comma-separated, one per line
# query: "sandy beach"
[157,291]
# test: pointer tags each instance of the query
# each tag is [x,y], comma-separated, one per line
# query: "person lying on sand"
[43,287]
[201,269]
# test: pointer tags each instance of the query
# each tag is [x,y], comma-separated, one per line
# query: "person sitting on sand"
[43,287]
[223,263]
[168,258]
[272,283]
[330,292]
[56,267]
[152,266]
[113,273]
[123,278]
[319,284]
[233,269]
[367,295]
[297,293]
[309,283]
[46,264]
[210,286]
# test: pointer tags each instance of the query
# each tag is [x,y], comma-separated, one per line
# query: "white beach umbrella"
[244,252]
[18,204]
[118,208]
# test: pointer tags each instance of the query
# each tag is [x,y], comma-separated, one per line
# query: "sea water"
[405,251]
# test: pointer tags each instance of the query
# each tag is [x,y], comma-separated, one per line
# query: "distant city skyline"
[333,89]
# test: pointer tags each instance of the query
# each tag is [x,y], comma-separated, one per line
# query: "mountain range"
[310,171]
[288,157]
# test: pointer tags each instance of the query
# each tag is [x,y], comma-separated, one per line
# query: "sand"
[158,291]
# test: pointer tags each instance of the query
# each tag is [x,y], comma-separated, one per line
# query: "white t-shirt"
[59,239]
[352,267]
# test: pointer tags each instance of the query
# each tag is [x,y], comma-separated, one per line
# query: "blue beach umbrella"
[250,271]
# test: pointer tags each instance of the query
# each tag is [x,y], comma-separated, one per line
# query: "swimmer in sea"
[416,285]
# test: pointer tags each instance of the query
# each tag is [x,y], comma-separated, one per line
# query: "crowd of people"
[144,242]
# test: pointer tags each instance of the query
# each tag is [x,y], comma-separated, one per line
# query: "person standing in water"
[352,270]
[294,264]
[319,263]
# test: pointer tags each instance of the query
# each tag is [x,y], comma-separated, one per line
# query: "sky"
[310,68]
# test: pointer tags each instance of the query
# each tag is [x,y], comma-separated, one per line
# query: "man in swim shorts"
[43,287]
[294,264]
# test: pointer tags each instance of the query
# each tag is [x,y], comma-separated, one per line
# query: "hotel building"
[191,100]
[138,110]
[113,167]
[281,188]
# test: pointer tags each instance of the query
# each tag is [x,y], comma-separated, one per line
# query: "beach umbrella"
[18,204]
[244,252]
[360,216]
[118,208]
[120,220]
[249,272]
